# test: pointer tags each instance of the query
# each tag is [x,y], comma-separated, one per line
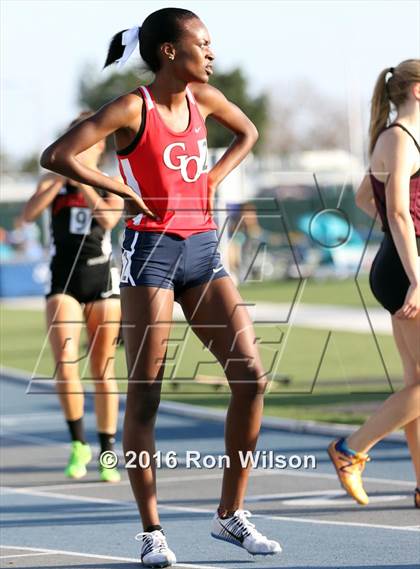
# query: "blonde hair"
[393,90]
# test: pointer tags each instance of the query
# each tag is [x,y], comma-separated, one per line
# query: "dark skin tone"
[232,340]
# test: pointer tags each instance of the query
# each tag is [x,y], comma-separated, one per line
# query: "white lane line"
[334,523]
[319,497]
[70,497]
[314,497]
[41,441]
[82,485]
[344,501]
[22,555]
[327,476]
[15,419]
[188,509]
[33,439]
[103,557]
[75,485]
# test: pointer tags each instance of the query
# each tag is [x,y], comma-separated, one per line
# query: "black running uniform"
[81,252]
[388,279]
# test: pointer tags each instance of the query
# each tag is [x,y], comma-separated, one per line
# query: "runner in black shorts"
[83,287]
[392,189]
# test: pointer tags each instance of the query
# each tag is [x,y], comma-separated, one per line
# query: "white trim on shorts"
[126,262]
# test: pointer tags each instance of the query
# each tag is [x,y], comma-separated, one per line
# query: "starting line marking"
[23,555]
[40,551]
[188,509]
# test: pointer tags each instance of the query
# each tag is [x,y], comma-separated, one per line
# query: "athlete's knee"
[250,384]
[142,402]
[145,410]
[102,370]
[414,391]
[67,374]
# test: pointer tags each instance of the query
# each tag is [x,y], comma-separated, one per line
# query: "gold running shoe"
[417,498]
[349,470]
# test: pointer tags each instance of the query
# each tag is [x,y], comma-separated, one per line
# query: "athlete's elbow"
[253,133]
[47,159]
[397,217]
[51,159]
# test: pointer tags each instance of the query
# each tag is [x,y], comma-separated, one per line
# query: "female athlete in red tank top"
[168,169]
[160,135]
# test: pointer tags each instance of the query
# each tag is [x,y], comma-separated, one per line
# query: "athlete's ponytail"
[122,46]
[391,90]
[380,108]
[162,26]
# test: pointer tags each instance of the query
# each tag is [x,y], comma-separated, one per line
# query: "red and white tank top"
[169,171]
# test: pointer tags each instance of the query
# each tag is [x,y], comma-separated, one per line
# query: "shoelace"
[358,460]
[157,542]
[361,461]
[248,527]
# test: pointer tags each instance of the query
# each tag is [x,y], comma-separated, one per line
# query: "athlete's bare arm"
[47,189]
[364,197]
[213,103]
[398,157]
[121,116]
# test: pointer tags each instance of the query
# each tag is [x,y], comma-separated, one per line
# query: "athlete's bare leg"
[232,342]
[103,323]
[402,409]
[407,338]
[146,318]
[65,320]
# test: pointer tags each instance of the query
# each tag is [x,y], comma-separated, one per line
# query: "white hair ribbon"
[129,40]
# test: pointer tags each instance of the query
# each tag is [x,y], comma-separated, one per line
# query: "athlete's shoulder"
[131,101]
[205,93]
[395,150]
[393,138]
[129,106]
[207,96]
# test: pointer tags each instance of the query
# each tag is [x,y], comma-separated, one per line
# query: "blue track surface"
[51,522]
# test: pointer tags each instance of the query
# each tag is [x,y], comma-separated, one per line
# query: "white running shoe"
[240,531]
[154,550]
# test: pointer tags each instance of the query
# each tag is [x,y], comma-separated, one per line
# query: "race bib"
[80,220]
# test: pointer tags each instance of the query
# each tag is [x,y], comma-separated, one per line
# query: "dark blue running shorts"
[163,260]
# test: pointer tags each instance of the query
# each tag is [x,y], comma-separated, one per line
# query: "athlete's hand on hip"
[411,306]
[135,205]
